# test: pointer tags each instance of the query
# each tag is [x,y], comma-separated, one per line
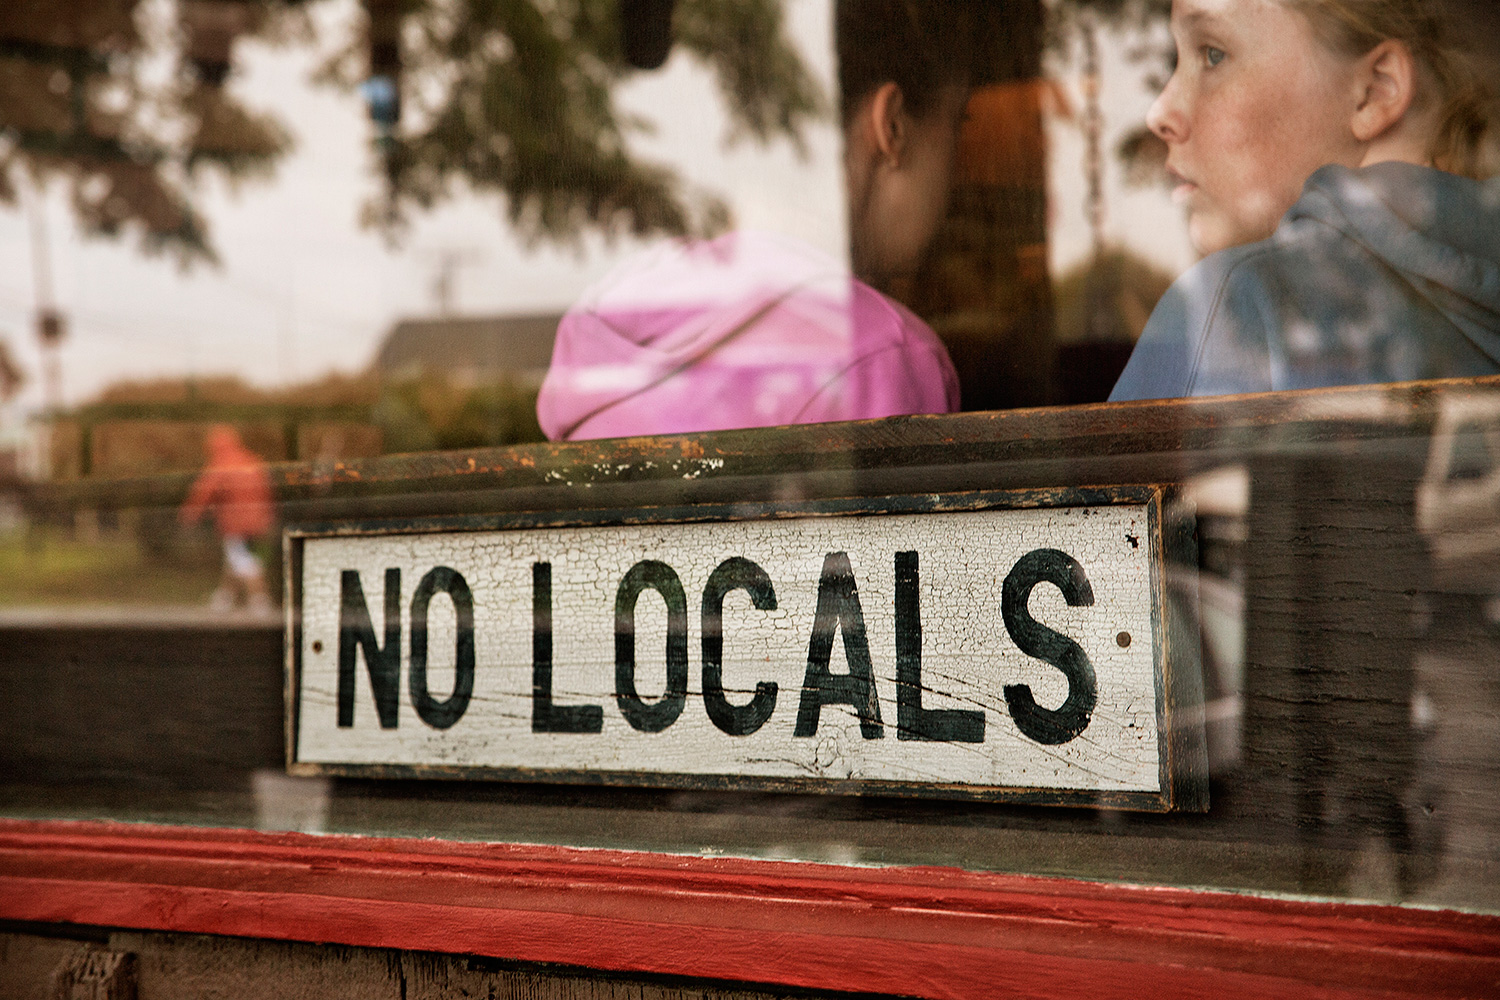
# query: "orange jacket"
[235,485]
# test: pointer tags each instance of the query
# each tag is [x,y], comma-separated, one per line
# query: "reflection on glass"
[235,490]
[831,266]
[1329,154]
[1455,700]
[1221,500]
[752,329]
[747,330]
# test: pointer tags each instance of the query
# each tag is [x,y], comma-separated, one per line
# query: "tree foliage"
[517,98]
[81,100]
[1138,14]
[1140,151]
[508,97]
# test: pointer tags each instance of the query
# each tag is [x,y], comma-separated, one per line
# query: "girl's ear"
[1388,87]
[888,121]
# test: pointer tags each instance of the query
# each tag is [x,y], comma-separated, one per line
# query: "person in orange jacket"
[237,488]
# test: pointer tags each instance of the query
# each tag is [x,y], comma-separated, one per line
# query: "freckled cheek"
[1251,149]
[1238,160]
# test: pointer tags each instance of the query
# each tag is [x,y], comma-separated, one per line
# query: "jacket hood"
[744,305]
[1439,232]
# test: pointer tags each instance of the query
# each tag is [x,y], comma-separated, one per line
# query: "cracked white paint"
[968,656]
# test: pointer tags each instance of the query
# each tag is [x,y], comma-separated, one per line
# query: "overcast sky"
[302,289]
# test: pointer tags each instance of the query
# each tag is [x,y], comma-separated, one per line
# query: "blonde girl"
[1331,157]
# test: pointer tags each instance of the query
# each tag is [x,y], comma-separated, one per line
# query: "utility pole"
[50,324]
[445,276]
[286,331]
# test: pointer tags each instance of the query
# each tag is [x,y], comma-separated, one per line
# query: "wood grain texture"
[1333,567]
[1140,442]
[925,932]
[160,705]
[962,648]
[27,962]
[1328,745]
[209,967]
[1325,733]
[92,973]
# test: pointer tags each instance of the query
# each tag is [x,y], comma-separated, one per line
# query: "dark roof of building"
[478,345]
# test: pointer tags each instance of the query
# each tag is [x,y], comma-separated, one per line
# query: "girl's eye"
[1212,56]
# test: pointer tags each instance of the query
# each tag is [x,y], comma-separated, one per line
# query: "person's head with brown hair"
[904,68]
[1265,92]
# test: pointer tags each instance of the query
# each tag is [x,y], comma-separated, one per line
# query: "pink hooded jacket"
[747,330]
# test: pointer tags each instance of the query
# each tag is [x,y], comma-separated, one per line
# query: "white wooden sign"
[954,646]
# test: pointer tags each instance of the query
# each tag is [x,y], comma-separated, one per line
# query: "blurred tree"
[1143,155]
[1104,302]
[1116,13]
[82,98]
[1134,285]
[516,98]
[1102,305]
[513,97]
[430,411]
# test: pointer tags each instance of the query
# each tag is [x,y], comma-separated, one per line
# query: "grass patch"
[48,567]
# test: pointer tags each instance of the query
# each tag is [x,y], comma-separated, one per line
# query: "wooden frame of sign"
[1022,646]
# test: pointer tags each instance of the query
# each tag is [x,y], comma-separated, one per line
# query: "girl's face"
[1256,104]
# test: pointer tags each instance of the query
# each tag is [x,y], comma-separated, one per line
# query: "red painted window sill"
[927,932]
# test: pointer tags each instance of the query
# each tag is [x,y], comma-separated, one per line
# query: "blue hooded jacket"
[1384,274]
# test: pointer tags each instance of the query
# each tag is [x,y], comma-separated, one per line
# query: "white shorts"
[240,560]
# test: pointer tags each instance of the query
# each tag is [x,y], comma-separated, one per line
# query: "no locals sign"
[1005,646]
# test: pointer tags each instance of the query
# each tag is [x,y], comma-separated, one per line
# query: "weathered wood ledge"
[1120,443]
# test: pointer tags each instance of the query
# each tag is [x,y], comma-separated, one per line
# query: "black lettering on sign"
[1049,726]
[737,573]
[913,722]
[838,608]
[442,714]
[357,632]
[545,716]
[648,574]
